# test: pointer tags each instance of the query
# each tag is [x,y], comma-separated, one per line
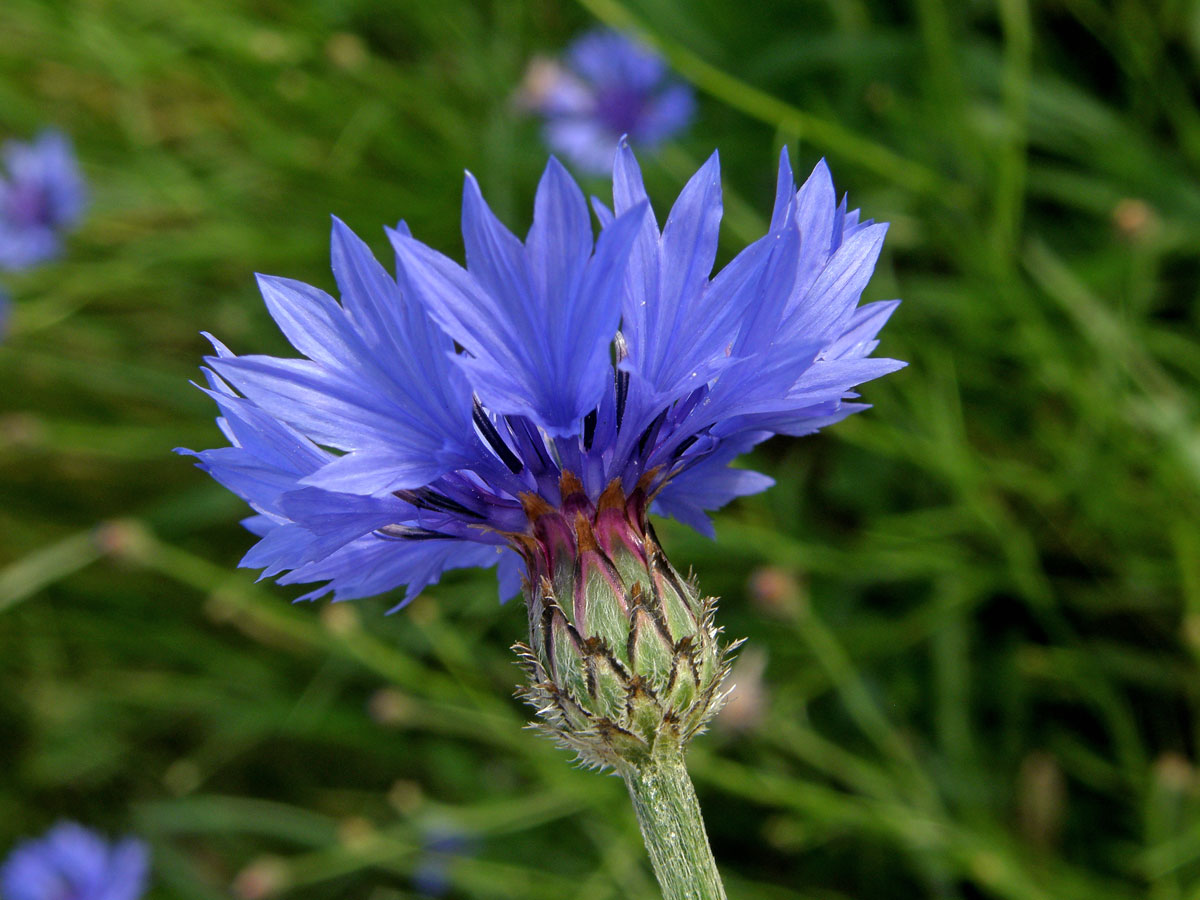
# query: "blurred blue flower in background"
[70,862]
[607,86]
[42,194]
[431,874]
[589,366]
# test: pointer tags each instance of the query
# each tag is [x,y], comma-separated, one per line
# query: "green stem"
[673,829]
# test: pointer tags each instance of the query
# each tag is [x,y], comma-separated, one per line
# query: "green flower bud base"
[625,664]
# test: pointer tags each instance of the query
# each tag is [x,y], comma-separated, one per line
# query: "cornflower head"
[606,86]
[531,409]
[70,861]
[42,194]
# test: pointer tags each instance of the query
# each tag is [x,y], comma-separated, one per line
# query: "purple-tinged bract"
[70,862]
[607,85]
[453,417]
[42,195]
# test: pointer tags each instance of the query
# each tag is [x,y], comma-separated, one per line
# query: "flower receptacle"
[624,659]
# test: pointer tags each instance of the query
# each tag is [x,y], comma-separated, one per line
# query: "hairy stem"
[673,829]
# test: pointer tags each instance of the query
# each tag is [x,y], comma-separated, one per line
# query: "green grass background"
[976,607]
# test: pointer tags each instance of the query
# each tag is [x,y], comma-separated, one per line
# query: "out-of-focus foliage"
[975,609]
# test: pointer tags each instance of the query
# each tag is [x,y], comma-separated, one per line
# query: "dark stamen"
[495,441]
[529,442]
[622,351]
[589,429]
[622,395]
[651,432]
[412,533]
[426,498]
[683,445]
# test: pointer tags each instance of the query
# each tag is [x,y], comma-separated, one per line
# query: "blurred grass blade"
[828,136]
[25,577]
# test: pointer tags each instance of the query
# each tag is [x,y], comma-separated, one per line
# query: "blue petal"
[128,866]
[378,347]
[243,474]
[665,115]
[785,194]
[331,408]
[628,189]
[587,142]
[864,324]
[606,57]
[21,248]
[263,436]
[312,322]
[835,292]
[797,422]
[765,364]
[335,520]
[373,565]
[70,860]
[560,240]
[674,336]
[603,214]
[831,379]
[474,318]
[584,360]
[260,525]
[371,298]
[378,472]
[510,573]
[496,261]
[413,355]
[542,355]
[816,204]
[266,458]
[340,411]
[710,484]
[642,284]
[284,546]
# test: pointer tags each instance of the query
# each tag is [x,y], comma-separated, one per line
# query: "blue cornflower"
[440,415]
[70,861]
[607,86]
[41,195]
[431,874]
